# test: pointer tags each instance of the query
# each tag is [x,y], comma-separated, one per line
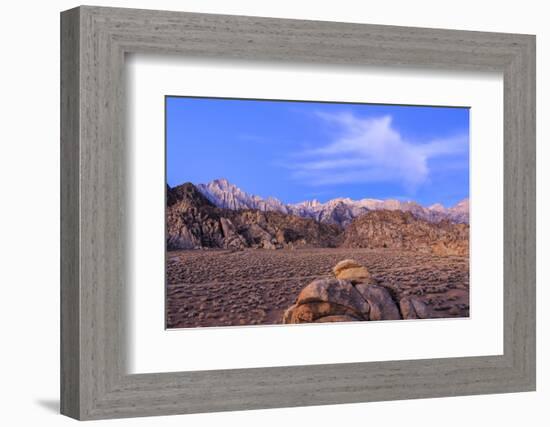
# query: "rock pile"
[350,296]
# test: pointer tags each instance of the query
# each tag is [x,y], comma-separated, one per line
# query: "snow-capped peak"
[341,210]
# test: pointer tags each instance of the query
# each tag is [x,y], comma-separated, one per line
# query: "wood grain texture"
[70,314]
[94,232]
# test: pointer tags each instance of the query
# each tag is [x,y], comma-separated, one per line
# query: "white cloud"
[372,150]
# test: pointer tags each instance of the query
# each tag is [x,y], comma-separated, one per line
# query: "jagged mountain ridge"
[225,195]
[340,211]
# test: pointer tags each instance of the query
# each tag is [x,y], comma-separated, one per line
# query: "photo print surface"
[288,212]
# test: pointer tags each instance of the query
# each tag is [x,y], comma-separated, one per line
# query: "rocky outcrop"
[194,222]
[191,220]
[342,300]
[232,239]
[363,298]
[278,230]
[402,230]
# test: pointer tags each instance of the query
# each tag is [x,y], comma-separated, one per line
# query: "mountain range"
[339,211]
[195,221]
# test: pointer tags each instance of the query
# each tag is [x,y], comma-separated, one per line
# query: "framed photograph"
[237,258]
[262,213]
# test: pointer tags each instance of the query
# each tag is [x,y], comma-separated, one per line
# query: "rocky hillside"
[402,230]
[339,211]
[195,222]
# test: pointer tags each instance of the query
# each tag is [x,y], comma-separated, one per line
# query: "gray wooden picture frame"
[94,41]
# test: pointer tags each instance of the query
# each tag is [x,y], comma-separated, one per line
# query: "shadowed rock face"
[194,222]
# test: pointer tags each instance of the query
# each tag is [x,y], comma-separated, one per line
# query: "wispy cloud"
[372,150]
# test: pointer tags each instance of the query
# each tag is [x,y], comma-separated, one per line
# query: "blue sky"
[297,151]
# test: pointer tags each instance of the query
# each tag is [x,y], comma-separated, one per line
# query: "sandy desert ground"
[255,286]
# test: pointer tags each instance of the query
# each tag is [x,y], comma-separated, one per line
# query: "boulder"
[315,311]
[232,240]
[334,291]
[342,265]
[339,300]
[287,315]
[413,308]
[349,269]
[382,305]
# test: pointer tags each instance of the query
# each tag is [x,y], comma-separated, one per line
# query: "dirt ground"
[255,286]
